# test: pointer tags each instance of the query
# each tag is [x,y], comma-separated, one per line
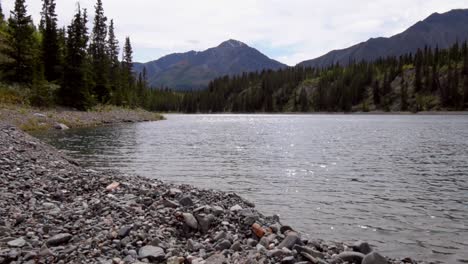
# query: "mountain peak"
[439,29]
[232,43]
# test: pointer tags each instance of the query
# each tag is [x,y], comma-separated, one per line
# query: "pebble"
[190,220]
[59,239]
[19,242]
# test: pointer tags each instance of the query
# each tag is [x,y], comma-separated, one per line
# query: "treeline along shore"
[54,211]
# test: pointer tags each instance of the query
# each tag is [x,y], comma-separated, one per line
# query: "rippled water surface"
[399,182]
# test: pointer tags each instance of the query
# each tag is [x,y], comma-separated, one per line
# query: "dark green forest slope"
[431,79]
[74,66]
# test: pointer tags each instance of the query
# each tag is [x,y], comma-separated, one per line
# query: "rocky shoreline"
[29,118]
[54,211]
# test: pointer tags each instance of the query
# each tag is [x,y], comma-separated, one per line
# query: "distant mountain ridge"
[194,70]
[441,30]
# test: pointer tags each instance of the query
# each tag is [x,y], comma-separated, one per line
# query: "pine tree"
[75,88]
[22,44]
[50,42]
[99,51]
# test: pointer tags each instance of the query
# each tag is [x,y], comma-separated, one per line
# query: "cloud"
[289,31]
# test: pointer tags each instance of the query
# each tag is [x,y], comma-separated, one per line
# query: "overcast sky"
[287,30]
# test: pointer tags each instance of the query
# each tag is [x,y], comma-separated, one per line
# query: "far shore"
[31,118]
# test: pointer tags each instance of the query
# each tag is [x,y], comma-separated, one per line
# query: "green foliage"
[50,46]
[20,45]
[99,55]
[75,87]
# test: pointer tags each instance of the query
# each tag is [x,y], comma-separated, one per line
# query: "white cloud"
[293,30]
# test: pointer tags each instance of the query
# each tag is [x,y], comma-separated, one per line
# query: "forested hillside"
[74,66]
[431,79]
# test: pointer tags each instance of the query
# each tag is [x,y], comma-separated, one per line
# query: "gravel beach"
[54,211]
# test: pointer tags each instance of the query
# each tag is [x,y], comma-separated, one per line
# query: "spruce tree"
[50,42]
[114,64]
[21,44]
[127,73]
[98,52]
[75,88]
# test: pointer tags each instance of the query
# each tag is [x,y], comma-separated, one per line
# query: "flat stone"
[152,253]
[374,258]
[59,239]
[19,242]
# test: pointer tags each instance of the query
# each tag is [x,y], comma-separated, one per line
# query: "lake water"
[398,182]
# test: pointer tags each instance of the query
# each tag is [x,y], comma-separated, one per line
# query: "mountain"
[438,29]
[194,70]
